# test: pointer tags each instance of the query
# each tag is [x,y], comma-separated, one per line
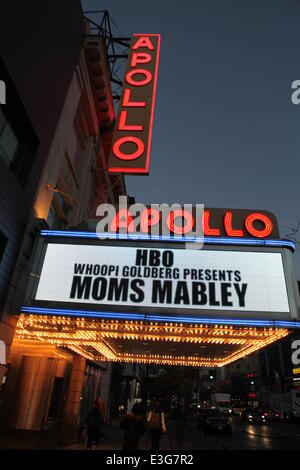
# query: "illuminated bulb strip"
[66,340]
[240,354]
[157,318]
[181,339]
[190,333]
[168,361]
[82,352]
[75,339]
[145,329]
[103,330]
[105,351]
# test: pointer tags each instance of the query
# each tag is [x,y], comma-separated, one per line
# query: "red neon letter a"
[144,41]
[123,219]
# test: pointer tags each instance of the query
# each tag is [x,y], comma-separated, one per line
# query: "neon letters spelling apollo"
[192,220]
[131,143]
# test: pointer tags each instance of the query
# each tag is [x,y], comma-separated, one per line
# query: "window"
[57,213]
[56,404]
[9,143]
[18,139]
[60,206]
[2,121]
[53,219]
[3,241]
[74,153]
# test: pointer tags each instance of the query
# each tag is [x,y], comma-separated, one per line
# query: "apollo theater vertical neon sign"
[130,151]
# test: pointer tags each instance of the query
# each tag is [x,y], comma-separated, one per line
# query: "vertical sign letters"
[130,152]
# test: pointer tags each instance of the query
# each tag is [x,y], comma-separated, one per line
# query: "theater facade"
[209,292]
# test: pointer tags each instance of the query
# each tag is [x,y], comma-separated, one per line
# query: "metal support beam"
[101,24]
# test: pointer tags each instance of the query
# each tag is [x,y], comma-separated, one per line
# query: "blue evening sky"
[226,133]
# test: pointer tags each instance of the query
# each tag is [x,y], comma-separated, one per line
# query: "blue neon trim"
[157,318]
[147,237]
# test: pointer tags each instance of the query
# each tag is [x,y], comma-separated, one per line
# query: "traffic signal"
[212,374]
[251,381]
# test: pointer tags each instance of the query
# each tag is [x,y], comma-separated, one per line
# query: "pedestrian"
[134,425]
[102,407]
[180,417]
[157,425]
[94,424]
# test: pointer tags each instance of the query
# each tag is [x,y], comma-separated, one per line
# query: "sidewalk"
[190,439]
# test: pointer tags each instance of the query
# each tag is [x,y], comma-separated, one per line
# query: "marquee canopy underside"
[147,342]
[197,345]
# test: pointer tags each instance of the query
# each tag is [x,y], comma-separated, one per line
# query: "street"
[271,436]
[188,438]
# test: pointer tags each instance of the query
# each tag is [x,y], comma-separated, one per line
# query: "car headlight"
[250,416]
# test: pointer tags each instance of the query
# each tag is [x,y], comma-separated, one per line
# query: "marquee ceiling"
[197,345]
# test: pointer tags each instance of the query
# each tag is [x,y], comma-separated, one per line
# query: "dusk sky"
[226,132]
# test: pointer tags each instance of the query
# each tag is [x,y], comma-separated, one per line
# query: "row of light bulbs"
[93,333]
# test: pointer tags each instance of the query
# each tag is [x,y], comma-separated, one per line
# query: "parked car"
[217,421]
[202,414]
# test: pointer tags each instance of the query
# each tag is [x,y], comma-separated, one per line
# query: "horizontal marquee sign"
[188,220]
[130,152]
[164,280]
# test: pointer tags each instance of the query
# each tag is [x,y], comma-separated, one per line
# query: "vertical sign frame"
[131,144]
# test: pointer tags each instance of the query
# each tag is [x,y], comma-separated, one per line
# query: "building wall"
[51,98]
[40,43]
[68,178]
[239,381]
[27,393]
[276,365]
